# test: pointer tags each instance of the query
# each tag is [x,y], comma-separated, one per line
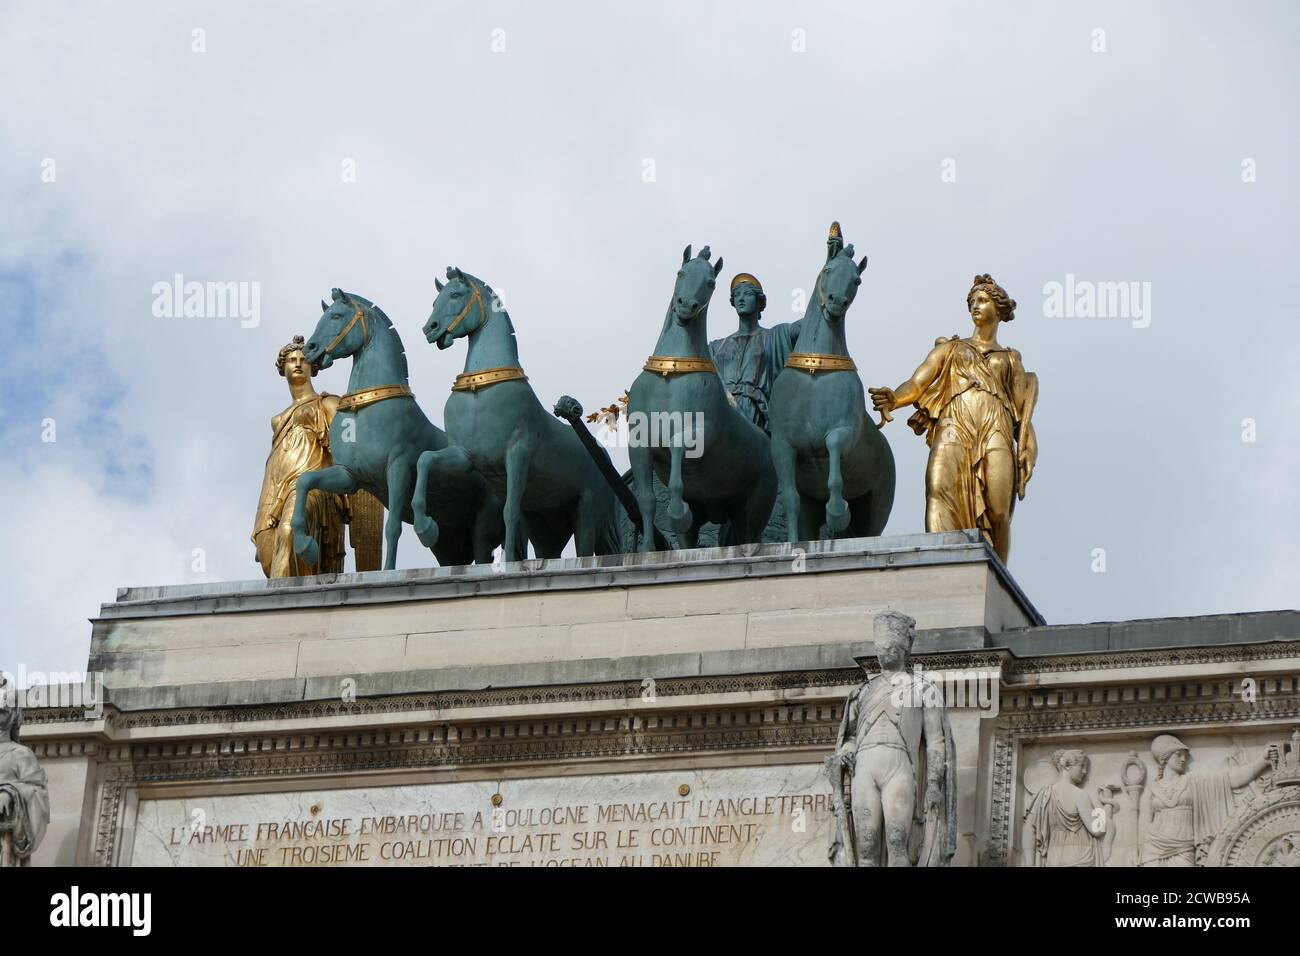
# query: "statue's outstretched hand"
[882,399]
[885,402]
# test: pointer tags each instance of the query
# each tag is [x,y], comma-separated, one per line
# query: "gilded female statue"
[1187,810]
[975,405]
[300,443]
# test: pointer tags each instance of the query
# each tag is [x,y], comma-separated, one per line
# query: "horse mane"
[489,296]
[388,323]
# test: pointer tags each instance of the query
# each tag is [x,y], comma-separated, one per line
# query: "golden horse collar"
[368,396]
[473,381]
[668,365]
[814,362]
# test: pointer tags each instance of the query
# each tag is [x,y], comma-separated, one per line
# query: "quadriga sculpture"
[377,435]
[715,462]
[551,488]
[835,468]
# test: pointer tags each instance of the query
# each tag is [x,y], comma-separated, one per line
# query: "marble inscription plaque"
[737,816]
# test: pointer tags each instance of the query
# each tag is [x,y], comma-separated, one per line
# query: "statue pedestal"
[640,710]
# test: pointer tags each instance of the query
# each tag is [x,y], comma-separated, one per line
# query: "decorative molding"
[621,693]
[1157,657]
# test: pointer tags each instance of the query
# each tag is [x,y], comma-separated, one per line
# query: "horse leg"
[426,529]
[870,512]
[335,479]
[754,511]
[643,476]
[783,459]
[837,509]
[489,531]
[680,518]
[809,519]
[448,467]
[400,478]
[689,537]
[518,460]
[590,515]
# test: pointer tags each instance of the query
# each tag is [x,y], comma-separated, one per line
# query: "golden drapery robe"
[23,826]
[1189,810]
[966,412]
[300,444]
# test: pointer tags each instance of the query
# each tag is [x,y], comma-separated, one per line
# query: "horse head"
[695,282]
[837,285]
[344,329]
[462,307]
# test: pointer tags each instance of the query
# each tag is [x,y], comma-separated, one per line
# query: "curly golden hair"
[294,346]
[1005,305]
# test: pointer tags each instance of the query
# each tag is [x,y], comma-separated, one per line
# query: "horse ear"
[323,306]
[686,254]
[345,298]
[848,250]
[862,265]
[336,294]
[436,284]
[717,268]
[451,272]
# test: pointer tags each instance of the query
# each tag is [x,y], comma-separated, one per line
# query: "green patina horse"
[715,462]
[378,434]
[835,468]
[551,487]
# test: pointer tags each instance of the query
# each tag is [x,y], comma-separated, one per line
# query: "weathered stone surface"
[730,816]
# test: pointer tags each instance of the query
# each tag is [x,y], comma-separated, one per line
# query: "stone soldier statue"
[893,774]
[750,358]
[24,798]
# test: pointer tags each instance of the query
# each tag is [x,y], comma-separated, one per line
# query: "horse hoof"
[679,517]
[426,529]
[837,516]
[306,548]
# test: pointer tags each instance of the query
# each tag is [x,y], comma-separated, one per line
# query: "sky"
[565,153]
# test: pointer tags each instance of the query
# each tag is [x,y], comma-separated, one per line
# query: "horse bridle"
[477,296]
[365,332]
